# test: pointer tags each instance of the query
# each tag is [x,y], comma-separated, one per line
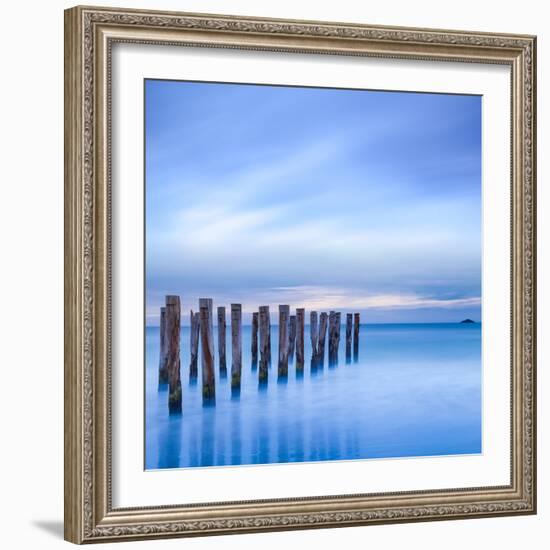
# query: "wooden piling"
[323,321]
[313,334]
[221,340]
[236,345]
[163,372]
[332,353]
[208,302]
[300,321]
[337,329]
[284,320]
[349,324]
[207,362]
[194,344]
[172,339]
[268,337]
[254,343]
[330,336]
[356,325]
[291,338]
[264,343]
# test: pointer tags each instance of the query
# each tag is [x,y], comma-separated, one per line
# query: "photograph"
[313,274]
[300,263]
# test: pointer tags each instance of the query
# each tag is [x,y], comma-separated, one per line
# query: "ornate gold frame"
[89,35]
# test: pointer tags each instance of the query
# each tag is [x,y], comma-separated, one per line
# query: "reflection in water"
[263,439]
[235,437]
[414,390]
[298,444]
[282,379]
[313,367]
[235,393]
[220,437]
[282,439]
[208,428]
[170,441]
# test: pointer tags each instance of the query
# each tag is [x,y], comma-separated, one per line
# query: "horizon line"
[362,324]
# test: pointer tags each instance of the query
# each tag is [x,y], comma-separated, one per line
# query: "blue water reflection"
[412,390]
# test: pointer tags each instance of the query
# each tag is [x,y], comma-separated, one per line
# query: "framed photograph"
[300,274]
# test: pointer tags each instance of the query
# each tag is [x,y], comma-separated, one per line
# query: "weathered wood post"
[300,321]
[194,344]
[236,346]
[264,343]
[331,336]
[254,343]
[221,340]
[349,324]
[268,337]
[337,328]
[209,304]
[207,362]
[172,335]
[323,321]
[356,325]
[163,372]
[291,338]
[313,336]
[284,320]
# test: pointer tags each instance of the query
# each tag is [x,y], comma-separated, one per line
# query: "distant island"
[467,321]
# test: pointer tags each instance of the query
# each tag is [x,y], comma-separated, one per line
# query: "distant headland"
[467,321]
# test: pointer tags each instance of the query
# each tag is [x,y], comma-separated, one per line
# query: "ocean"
[415,390]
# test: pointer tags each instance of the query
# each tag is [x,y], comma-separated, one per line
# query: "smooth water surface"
[415,390]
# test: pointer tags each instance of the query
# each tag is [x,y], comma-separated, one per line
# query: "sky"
[353,200]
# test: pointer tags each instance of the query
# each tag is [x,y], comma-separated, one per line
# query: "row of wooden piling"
[291,344]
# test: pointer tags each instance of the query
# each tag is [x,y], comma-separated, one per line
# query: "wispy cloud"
[369,200]
[315,298]
[326,298]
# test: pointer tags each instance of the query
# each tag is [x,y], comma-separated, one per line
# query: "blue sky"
[320,198]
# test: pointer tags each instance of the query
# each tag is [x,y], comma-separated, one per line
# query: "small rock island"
[467,321]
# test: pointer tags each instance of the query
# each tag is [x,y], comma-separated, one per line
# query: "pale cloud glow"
[319,299]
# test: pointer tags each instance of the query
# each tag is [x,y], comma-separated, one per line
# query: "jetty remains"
[349,336]
[236,346]
[163,371]
[300,321]
[333,337]
[356,325]
[291,338]
[194,344]
[284,323]
[172,341]
[207,356]
[254,340]
[221,341]
[264,327]
[291,344]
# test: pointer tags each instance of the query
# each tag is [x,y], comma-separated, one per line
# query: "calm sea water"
[414,391]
